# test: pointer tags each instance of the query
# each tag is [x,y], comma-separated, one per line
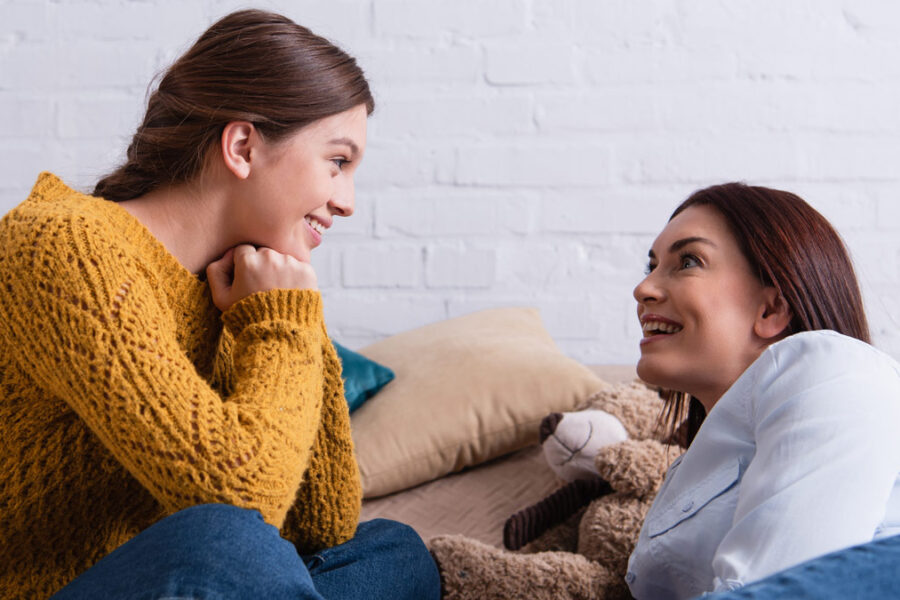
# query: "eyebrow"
[679,244]
[345,141]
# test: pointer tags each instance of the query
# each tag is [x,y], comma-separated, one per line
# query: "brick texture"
[523,152]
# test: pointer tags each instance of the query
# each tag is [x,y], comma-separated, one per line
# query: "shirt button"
[687,506]
[629,577]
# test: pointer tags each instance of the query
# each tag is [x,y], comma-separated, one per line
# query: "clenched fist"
[246,269]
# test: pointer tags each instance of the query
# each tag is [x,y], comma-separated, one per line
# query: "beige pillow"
[466,390]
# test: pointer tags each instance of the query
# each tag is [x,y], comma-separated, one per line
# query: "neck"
[708,401]
[710,395]
[185,220]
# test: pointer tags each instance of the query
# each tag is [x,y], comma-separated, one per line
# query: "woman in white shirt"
[751,311]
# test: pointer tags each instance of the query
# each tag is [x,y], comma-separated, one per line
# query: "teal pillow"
[362,377]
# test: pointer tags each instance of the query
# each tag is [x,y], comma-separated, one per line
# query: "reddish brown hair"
[251,66]
[793,248]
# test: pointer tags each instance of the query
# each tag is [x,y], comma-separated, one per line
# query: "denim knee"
[411,557]
[385,559]
[207,551]
[240,548]
[393,536]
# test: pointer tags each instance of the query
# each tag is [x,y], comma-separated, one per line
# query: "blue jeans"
[867,572]
[220,552]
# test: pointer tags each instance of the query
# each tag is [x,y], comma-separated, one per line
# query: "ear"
[239,140]
[774,315]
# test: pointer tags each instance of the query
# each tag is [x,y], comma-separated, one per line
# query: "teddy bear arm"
[636,467]
[636,406]
[609,530]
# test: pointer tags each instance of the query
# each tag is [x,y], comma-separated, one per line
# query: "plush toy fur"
[614,455]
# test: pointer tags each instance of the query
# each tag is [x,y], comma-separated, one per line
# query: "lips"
[315,225]
[316,228]
[657,325]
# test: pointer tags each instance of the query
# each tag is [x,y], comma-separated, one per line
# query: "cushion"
[466,390]
[362,377]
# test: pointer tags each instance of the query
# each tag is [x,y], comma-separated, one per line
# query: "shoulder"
[64,243]
[824,367]
[824,354]
[51,197]
[56,221]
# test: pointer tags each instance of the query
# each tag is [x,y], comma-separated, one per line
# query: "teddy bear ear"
[548,425]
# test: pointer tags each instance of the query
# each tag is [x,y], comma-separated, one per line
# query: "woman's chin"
[653,374]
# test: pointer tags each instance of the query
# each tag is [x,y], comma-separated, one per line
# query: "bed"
[451,445]
[477,501]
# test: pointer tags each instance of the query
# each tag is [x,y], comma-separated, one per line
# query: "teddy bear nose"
[548,425]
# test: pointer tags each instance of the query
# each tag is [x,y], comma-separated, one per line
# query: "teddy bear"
[574,544]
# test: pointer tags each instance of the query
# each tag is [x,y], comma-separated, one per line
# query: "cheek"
[264,205]
[726,331]
[317,191]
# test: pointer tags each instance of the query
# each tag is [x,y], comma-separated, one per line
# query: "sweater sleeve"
[827,456]
[328,503]
[91,329]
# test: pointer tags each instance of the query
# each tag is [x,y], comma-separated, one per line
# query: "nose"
[647,290]
[342,202]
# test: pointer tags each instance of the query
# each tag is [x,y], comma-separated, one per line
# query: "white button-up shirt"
[800,457]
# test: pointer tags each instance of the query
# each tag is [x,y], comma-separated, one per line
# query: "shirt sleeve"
[825,413]
[92,329]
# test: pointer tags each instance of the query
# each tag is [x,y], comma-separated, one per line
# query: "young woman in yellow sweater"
[167,380]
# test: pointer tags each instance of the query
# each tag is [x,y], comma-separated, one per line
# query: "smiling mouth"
[315,226]
[651,328]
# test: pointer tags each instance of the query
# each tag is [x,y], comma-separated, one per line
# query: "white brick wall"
[523,152]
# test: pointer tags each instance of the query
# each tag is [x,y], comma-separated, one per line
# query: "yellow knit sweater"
[125,396]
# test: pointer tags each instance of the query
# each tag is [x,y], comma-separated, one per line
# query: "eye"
[689,261]
[340,162]
[650,266]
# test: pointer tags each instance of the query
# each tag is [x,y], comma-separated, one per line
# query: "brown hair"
[251,66]
[793,248]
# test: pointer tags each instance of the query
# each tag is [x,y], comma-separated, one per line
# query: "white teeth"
[659,327]
[317,227]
